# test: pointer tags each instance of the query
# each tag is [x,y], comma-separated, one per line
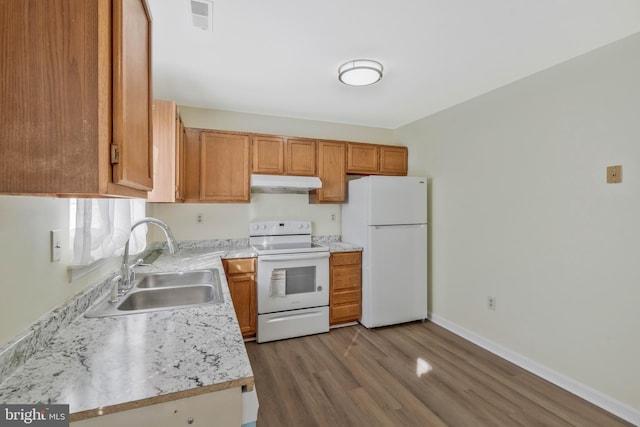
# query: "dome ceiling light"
[360,72]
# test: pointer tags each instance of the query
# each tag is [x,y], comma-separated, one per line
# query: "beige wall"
[520,211]
[32,284]
[231,220]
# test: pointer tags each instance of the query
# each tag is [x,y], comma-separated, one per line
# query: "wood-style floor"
[416,374]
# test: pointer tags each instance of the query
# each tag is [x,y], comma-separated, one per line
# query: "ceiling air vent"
[201,14]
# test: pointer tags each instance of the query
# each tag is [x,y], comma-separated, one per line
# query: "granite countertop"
[342,247]
[105,365]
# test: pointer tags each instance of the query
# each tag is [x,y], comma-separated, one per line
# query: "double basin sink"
[165,291]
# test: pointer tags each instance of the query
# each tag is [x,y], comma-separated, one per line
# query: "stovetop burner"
[282,237]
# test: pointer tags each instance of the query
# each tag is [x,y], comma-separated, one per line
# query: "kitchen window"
[99,229]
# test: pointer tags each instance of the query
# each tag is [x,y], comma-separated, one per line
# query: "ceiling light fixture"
[360,72]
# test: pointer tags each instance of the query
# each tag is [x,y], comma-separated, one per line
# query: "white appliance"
[293,280]
[284,183]
[387,216]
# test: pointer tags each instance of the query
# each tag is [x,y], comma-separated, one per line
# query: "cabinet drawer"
[240,265]
[345,258]
[345,313]
[346,297]
[346,278]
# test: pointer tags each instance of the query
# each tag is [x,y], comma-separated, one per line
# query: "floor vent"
[201,14]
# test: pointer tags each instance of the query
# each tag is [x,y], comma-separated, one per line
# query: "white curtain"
[100,228]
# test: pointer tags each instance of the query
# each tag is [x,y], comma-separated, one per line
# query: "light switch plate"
[614,174]
[56,245]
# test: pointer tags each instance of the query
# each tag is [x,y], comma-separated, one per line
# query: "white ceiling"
[280,57]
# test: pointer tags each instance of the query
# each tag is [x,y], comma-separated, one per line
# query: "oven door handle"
[285,317]
[291,257]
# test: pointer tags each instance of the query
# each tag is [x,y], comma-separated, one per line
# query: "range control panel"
[279,228]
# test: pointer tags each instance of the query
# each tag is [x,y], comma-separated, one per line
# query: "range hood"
[284,184]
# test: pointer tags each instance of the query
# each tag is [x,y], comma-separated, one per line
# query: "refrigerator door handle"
[378,227]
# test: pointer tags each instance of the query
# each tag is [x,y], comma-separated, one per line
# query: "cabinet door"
[267,155]
[362,158]
[241,278]
[180,158]
[75,81]
[132,125]
[300,157]
[224,167]
[332,172]
[393,160]
[243,293]
[168,152]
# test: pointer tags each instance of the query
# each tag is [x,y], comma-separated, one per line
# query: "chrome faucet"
[127,269]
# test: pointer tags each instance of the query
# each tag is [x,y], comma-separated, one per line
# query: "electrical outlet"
[199,219]
[332,217]
[56,245]
[614,174]
[491,303]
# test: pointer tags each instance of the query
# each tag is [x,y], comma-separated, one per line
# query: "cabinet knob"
[190,420]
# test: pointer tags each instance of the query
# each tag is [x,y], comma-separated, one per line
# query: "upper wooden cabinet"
[362,158]
[393,160]
[370,159]
[332,173]
[300,157]
[219,163]
[224,167]
[216,166]
[181,162]
[168,153]
[274,155]
[267,155]
[76,103]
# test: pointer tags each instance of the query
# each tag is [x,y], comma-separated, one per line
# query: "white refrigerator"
[387,216]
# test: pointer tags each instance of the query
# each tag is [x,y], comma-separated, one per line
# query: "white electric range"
[293,280]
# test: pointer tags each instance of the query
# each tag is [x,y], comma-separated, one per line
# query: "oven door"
[292,281]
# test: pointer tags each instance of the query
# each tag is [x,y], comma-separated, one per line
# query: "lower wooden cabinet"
[241,277]
[345,298]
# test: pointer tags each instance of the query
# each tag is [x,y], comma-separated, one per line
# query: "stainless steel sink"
[180,278]
[165,291]
[168,297]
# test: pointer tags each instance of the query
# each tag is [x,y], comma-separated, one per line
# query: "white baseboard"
[605,402]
